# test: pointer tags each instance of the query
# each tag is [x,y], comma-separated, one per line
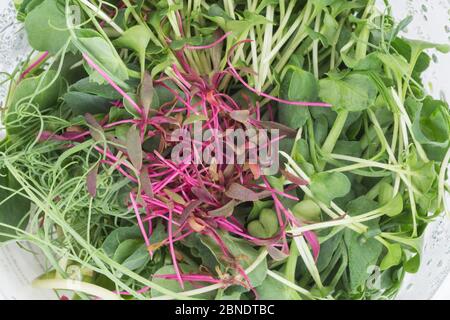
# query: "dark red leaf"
[134,147]
[225,211]
[95,128]
[203,194]
[91,181]
[284,130]
[146,92]
[239,192]
[146,183]
[240,115]
[188,211]
[294,179]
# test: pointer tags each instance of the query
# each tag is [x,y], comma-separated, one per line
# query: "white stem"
[308,259]
[264,69]
[334,223]
[408,124]
[288,283]
[77,286]
[98,12]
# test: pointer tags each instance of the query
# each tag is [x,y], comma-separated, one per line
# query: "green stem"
[291,266]
[312,143]
[316,48]
[333,136]
[301,34]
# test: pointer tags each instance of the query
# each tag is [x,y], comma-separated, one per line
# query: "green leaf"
[402,25]
[204,248]
[125,249]
[318,36]
[320,4]
[266,226]
[50,87]
[355,92]
[104,54]
[361,205]
[431,126]
[272,289]
[102,90]
[246,255]
[338,7]
[139,258]
[404,48]
[46,26]
[396,63]
[328,186]
[370,63]
[412,265]
[80,103]
[420,45]
[349,148]
[307,210]
[126,246]
[385,193]
[424,173]
[329,28]
[13,210]
[136,38]
[361,256]
[424,177]
[395,206]
[328,250]
[393,256]
[321,129]
[24,7]
[297,85]
[119,235]
[258,205]
[237,27]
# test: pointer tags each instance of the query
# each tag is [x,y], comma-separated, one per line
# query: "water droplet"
[435,58]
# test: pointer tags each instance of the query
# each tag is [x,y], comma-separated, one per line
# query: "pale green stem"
[78,286]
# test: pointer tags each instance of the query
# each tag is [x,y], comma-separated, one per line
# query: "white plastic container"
[431,22]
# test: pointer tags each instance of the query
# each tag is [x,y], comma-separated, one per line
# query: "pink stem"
[35,64]
[209,46]
[172,251]
[139,220]
[190,277]
[111,82]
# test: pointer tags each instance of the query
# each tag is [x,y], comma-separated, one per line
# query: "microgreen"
[86,164]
